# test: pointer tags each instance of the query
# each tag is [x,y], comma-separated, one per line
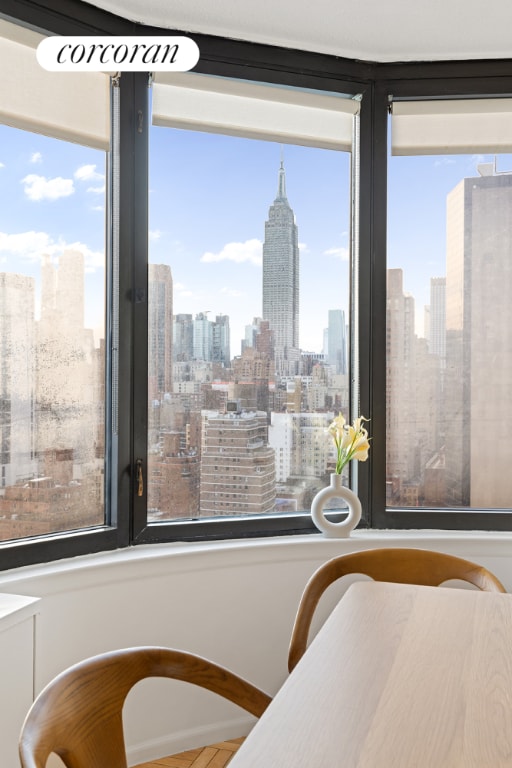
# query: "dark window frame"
[377,82]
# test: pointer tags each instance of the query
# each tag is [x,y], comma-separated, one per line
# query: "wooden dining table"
[399,676]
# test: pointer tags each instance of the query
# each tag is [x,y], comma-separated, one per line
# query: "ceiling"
[371,30]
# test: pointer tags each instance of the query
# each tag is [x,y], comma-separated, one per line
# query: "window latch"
[139,477]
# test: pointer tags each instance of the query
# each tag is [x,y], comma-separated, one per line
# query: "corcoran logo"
[119,54]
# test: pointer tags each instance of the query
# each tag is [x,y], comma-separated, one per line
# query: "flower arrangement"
[352,442]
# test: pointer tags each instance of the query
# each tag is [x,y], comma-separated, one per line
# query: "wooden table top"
[400,676]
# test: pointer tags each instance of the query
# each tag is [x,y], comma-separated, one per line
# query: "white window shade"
[464,126]
[74,106]
[240,108]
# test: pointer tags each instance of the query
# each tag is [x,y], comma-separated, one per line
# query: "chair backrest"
[79,714]
[408,566]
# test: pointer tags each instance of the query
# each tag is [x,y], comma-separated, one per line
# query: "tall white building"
[302,448]
[183,338]
[69,381]
[203,337]
[478,350]
[17,378]
[221,341]
[160,329]
[437,329]
[281,281]
[337,340]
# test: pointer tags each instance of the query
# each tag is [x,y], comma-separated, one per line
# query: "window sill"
[206,555]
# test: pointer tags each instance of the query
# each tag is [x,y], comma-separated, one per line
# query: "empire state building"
[281,281]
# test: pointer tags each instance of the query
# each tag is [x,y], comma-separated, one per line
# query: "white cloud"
[442,161]
[2,165]
[250,251]
[154,234]
[339,253]
[40,188]
[97,190]
[31,246]
[231,292]
[180,290]
[88,173]
[28,245]
[303,248]
[36,157]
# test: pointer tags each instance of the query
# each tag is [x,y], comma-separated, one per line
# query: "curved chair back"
[79,714]
[408,566]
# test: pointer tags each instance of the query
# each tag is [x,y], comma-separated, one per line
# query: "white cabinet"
[17,627]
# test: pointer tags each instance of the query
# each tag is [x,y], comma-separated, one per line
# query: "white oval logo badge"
[119,54]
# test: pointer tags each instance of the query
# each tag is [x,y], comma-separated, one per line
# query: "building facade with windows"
[160,328]
[478,350]
[238,465]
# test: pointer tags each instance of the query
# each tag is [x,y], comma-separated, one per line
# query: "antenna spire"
[281,184]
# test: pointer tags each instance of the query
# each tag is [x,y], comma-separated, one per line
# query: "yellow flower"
[351,442]
[336,428]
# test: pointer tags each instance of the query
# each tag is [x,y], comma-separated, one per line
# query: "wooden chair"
[408,566]
[79,714]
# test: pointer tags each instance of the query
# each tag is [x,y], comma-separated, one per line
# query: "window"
[54,139]
[449,294]
[241,352]
[157,381]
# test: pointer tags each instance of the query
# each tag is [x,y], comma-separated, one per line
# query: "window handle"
[139,477]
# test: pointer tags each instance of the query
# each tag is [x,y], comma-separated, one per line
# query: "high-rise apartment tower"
[160,329]
[478,350]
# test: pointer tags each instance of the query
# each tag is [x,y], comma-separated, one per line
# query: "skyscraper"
[337,341]
[68,385]
[160,329]
[412,406]
[17,378]
[437,334]
[203,337]
[281,281]
[183,338]
[400,399]
[478,349]
[220,341]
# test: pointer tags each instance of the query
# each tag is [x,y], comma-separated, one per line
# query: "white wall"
[233,602]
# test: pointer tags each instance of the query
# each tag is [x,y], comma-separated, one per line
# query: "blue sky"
[52,198]
[417,191]
[209,199]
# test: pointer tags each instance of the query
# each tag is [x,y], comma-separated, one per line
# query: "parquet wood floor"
[214,756]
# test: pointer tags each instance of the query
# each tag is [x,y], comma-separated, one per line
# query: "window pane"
[52,310]
[449,308]
[248,318]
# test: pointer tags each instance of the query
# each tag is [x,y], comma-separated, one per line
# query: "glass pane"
[449,357]
[248,318]
[52,311]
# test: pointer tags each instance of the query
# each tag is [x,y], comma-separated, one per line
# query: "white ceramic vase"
[336,490]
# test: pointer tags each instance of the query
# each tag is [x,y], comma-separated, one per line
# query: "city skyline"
[201,404]
[54,195]
[218,268]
